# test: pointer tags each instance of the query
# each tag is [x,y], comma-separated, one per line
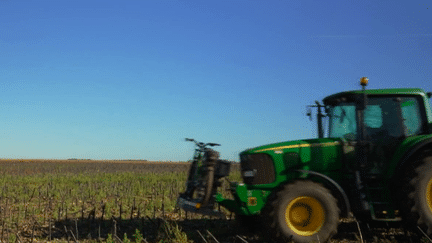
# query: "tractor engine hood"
[277,148]
[276,159]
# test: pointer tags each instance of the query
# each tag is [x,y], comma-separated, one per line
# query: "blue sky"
[132,79]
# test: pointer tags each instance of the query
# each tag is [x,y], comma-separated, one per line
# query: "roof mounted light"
[364,81]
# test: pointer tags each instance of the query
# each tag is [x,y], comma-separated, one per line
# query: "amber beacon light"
[364,81]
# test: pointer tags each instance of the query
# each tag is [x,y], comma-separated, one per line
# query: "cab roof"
[353,93]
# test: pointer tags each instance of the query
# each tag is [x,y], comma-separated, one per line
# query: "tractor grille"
[257,169]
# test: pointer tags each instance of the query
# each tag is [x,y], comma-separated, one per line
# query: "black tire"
[418,204]
[303,211]
[208,186]
[207,181]
[200,186]
[190,187]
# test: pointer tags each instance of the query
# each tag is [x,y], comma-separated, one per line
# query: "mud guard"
[336,186]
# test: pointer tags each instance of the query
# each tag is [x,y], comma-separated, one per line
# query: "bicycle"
[205,170]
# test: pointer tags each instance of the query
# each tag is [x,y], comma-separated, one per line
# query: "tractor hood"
[310,154]
[296,144]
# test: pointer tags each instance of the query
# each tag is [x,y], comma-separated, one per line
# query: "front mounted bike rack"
[195,207]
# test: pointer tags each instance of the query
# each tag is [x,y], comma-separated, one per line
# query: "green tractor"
[373,160]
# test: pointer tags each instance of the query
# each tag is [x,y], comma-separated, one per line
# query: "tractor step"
[382,207]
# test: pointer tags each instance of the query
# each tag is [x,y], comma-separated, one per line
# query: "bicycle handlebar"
[201,144]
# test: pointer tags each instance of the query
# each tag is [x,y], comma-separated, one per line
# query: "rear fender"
[417,149]
[408,160]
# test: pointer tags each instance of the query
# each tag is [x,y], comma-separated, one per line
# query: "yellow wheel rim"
[429,194]
[305,215]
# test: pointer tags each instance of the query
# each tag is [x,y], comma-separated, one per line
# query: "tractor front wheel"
[303,211]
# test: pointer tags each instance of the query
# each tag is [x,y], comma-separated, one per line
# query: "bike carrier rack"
[195,207]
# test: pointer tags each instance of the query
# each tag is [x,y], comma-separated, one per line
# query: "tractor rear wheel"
[303,211]
[419,196]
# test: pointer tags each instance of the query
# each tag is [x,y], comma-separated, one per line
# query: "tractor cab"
[389,116]
[373,127]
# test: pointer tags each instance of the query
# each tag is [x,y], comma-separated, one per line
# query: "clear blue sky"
[132,79]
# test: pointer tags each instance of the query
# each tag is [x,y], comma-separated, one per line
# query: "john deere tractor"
[372,159]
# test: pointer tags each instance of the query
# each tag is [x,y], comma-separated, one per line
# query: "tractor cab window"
[373,116]
[342,121]
[382,119]
[411,116]
[385,118]
[393,117]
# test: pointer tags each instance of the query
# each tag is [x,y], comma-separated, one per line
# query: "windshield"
[342,121]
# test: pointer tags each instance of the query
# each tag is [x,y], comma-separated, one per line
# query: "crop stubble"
[87,200]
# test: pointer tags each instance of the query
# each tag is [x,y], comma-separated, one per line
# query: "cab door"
[384,131]
[388,121]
